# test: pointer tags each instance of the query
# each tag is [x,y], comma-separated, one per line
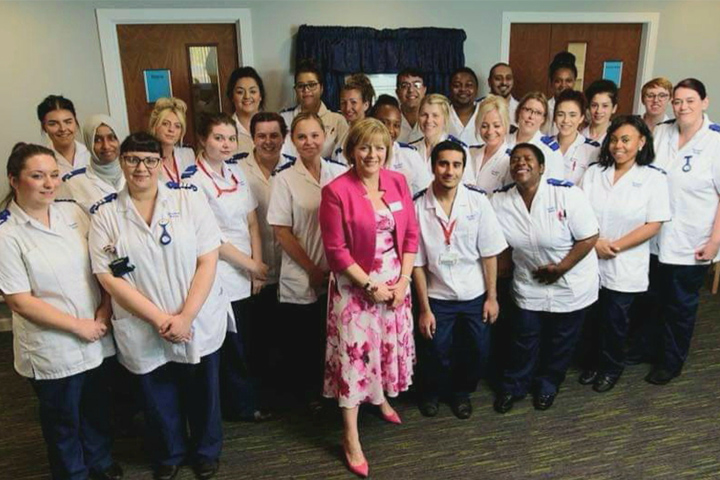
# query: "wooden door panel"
[605,42]
[532,47]
[530,56]
[164,46]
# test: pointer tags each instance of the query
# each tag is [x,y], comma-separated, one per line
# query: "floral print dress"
[370,347]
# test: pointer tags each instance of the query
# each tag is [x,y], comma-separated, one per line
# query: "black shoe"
[206,470]
[587,377]
[113,472]
[634,358]
[604,383]
[429,408]
[505,401]
[543,402]
[165,472]
[462,408]
[660,376]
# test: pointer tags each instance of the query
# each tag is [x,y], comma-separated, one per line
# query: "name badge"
[448,258]
[395,206]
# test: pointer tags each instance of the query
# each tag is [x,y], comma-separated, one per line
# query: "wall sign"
[157,84]
[612,70]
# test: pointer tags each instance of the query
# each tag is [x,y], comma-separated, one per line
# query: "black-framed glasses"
[309,86]
[417,84]
[659,96]
[150,162]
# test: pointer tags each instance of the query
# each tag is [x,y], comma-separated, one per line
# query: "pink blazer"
[347,220]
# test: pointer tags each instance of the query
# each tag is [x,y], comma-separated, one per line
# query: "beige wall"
[53,47]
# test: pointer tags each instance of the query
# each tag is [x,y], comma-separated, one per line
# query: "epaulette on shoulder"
[453,138]
[288,109]
[479,99]
[181,186]
[592,142]
[106,199]
[654,167]
[475,188]
[410,144]
[71,174]
[289,164]
[330,160]
[65,200]
[559,183]
[420,194]
[508,151]
[504,188]
[188,172]
[668,122]
[549,140]
[513,128]
[338,150]
[406,145]
[289,157]
[237,157]
[714,127]
[592,163]
[479,145]
[4,216]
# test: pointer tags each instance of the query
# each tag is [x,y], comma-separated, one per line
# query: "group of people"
[301,233]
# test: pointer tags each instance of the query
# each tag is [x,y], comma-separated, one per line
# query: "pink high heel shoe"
[392,418]
[361,470]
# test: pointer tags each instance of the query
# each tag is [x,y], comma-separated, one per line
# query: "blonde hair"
[306,116]
[489,104]
[165,106]
[659,82]
[364,131]
[442,101]
[540,97]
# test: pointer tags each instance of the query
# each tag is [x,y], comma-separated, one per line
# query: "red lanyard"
[219,190]
[176,177]
[447,231]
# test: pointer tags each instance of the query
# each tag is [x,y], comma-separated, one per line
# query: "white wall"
[53,47]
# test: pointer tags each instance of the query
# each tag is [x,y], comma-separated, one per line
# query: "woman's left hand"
[548,274]
[257,284]
[176,329]
[399,290]
[707,252]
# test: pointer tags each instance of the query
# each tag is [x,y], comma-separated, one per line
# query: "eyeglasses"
[659,96]
[310,86]
[533,113]
[150,162]
[417,84]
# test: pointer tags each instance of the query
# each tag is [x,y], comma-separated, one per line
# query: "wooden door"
[533,46]
[167,46]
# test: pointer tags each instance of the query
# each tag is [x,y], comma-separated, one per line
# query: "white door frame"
[108,20]
[648,43]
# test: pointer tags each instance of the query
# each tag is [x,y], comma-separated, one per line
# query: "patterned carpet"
[636,431]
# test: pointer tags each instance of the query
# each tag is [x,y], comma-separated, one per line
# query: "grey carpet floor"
[636,431]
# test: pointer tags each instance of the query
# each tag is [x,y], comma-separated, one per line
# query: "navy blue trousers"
[679,288]
[177,396]
[543,345]
[237,384]
[644,331]
[264,352]
[75,421]
[456,356]
[304,328]
[613,312]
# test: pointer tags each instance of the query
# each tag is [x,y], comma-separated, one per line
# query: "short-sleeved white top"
[466,133]
[54,266]
[554,164]
[495,172]
[408,134]
[163,272]
[578,157]
[245,142]
[261,187]
[335,129]
[639,197]
[422,149]
[82,158]
[585,132]
[476,233]
[86,187]
[560,214]
[230,200]
[694,183]
[184,157]
[294,202]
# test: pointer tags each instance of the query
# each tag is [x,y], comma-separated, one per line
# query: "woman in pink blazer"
[370,235]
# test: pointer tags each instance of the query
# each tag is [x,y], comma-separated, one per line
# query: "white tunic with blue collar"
[559,216]
[466,133]
[422,149]
[53,264]
[554,164]
[493,173]
[165,255]
[578,157]
[294,202]
[85,187]
[694,182]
